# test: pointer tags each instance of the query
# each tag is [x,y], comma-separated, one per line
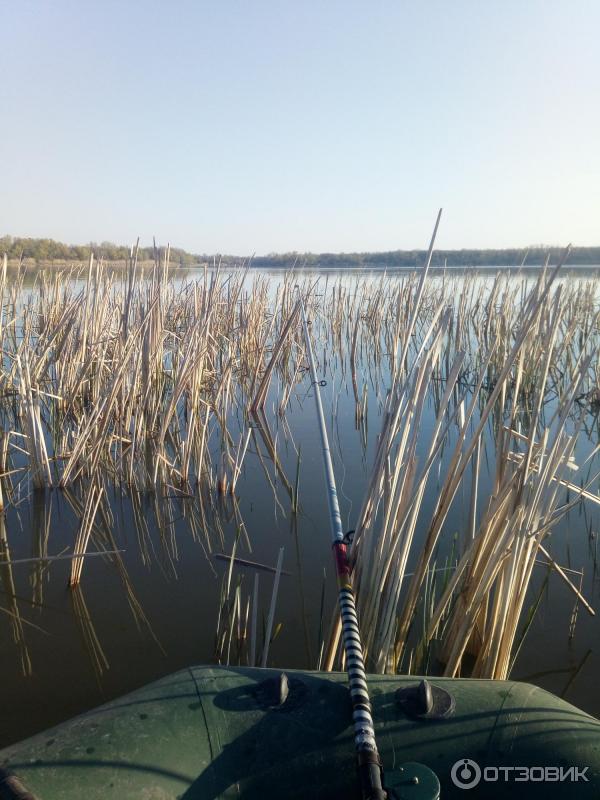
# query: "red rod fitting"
[340,553]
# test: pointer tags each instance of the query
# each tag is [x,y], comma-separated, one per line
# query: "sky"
[264,126]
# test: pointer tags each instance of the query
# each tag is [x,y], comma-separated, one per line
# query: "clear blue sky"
[280,125]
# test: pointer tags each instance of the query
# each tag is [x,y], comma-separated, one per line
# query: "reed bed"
[525,364]
[147,385]
[129,379]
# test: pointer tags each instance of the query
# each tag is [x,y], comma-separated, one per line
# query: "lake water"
[115,633]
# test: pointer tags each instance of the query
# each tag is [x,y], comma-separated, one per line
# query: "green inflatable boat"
[225,732]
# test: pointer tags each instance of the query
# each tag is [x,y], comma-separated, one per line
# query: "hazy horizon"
[99,242]
[271,128]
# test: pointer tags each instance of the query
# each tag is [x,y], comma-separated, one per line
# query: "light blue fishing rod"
[369,762]
[418,780]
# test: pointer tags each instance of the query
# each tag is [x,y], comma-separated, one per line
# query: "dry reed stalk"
[83,535]
[254,631]
[271,616]
[90,637]
[261,393]
[13,611]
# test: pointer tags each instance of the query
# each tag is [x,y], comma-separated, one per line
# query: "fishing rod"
[369,763]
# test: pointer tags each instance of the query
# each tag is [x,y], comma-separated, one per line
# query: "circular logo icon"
[465,773]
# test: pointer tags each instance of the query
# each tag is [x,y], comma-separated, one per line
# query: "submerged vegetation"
[144,385]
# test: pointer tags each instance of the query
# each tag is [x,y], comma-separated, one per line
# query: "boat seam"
[197,688]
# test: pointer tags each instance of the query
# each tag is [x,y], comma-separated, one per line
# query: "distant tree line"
[534,256]
[49,250]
